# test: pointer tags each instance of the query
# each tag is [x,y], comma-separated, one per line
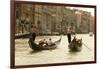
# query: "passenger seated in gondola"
[79,42]
[43,43]
[50,42]
[76,41]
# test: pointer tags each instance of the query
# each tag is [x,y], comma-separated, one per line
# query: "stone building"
[24,18]
[44,18]
[51,19]
[84,26]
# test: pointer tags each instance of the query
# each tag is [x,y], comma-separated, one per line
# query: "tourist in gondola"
[74,40]
[46,43]
[50,42]
[43,42]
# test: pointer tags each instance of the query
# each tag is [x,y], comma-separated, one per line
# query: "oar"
[86,46]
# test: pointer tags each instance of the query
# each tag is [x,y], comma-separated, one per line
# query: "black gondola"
[75,46]
[35,46]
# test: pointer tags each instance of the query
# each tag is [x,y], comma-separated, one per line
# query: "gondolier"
[33,32]
[69,34]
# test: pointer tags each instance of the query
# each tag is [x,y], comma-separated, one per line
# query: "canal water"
[25,56]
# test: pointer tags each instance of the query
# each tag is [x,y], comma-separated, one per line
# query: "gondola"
[37,47]
[75,46]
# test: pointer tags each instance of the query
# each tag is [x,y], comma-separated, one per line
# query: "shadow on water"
[73,53]
[34,52]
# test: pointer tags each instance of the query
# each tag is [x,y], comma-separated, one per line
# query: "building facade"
[51,19]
